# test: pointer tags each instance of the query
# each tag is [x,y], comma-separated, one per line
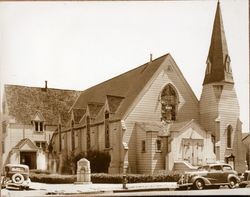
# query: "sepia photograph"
[124,98]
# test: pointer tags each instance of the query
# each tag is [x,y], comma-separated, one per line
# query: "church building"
[149,119]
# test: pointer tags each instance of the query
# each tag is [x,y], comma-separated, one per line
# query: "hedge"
[105,178]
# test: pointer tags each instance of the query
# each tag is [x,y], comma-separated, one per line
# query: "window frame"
[169,103]
[229,136]
[143,146]
[38,126]
[158,145]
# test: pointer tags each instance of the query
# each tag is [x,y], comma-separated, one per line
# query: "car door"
[226,171]
[215,174]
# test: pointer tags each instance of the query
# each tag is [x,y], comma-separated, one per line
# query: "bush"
[36,171]
[99,161]
[52,178]
[105,178]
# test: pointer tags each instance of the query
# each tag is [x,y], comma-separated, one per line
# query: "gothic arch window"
[169,102]
[229,136]
[107,130]
[228,67]
[208,70]
[88,132]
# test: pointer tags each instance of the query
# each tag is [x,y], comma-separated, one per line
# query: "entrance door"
[192,151]
[28,158]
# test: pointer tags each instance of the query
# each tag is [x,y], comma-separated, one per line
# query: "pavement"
[89,188]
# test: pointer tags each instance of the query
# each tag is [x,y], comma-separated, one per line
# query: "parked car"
[213,175]
[245,179]
[16,176]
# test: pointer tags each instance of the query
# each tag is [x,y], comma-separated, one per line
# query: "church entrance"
[192,151]
[28,158]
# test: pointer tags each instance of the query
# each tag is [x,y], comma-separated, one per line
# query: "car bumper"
[17,186]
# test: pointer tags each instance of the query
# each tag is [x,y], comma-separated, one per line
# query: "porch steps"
[182,166]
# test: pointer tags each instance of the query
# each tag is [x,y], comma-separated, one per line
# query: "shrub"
[52,178]
[99,161]
[105,178]
[37,171]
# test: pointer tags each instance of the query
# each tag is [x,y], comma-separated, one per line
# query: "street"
[216,192]
[171,192]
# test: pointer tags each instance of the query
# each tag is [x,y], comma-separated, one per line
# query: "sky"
[75,45]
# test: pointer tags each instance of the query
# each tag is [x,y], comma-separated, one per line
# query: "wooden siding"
[17,132]
[147,106]
[226,110]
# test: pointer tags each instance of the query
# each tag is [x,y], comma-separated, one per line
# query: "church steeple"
[218,60]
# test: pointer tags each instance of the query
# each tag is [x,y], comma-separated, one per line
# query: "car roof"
[218,164]
[17,165]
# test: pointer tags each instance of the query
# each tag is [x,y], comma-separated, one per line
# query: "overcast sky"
[75,45]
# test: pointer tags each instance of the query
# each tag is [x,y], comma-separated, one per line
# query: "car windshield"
[203,168]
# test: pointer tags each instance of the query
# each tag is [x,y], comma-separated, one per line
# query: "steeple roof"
[218,60]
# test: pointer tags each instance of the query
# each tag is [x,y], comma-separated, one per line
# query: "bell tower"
[219,107]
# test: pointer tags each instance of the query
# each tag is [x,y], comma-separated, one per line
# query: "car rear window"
[216,168]
[17,169]
[225,167]
[203,168]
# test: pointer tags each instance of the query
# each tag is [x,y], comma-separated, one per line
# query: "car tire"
[17,178]
[199,184]
[232,183]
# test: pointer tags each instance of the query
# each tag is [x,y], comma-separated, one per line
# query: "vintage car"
[16,176]
[245,179]
[211,175]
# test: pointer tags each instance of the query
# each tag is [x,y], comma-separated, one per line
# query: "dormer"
[38,122]
[112,103]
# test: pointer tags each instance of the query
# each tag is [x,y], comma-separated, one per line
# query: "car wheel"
[17,178]
[199,184]
[232,183]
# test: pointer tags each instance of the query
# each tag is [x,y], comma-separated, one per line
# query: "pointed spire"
[218,60]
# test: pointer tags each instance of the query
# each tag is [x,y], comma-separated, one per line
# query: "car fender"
[233,176]
[206,181]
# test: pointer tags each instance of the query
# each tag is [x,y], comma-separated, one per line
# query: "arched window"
[208,69]
[88,132]
[229,136]
[228,67]
[106,125]
[169,101]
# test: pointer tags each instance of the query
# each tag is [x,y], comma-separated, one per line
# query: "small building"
[30,118]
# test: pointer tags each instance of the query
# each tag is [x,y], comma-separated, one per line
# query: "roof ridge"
[145,64]
[5,85]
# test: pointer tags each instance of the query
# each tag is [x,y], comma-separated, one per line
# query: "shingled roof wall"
[23,102]
[127,85]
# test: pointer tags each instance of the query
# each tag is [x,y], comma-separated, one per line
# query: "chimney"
[46,85]
[151,57]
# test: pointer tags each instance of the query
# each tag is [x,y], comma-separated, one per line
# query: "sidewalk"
[99,188]
[95,187]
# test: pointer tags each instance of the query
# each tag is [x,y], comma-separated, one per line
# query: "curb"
[143,190]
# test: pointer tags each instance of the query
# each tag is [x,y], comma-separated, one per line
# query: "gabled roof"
[78,114]
[218,53]
[127,85]
[114,102]
[150,126]
[28,142]
[94,108]
[24,102]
